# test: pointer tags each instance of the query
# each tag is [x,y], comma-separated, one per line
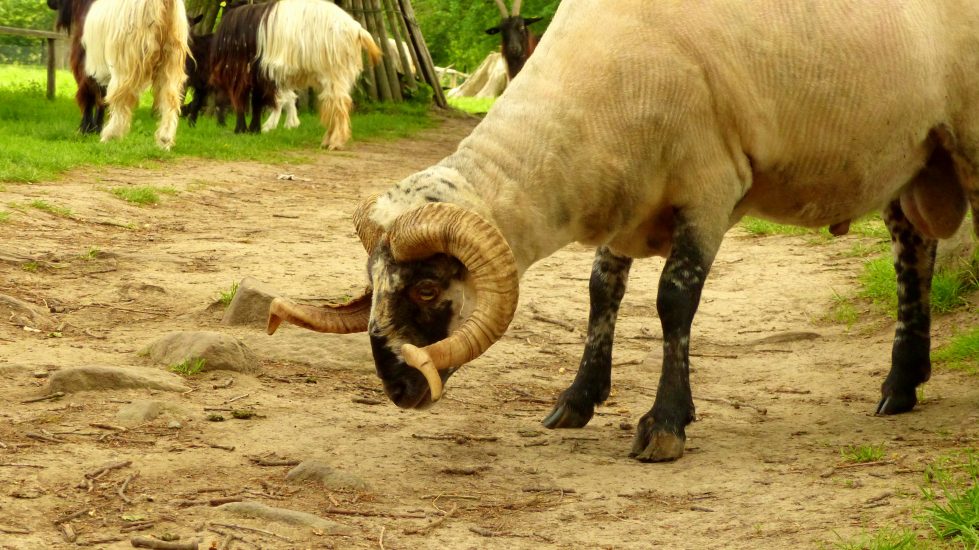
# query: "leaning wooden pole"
[425,59]
[357,10]
[380,75]
[387,62]
[399,44]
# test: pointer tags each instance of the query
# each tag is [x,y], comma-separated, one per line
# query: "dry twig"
[251,529]
[122,489]
[147,542]
[48,397]
[433,524]
[71,516]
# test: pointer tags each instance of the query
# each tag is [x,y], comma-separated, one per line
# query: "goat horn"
[503,11]
[368,230]
[334,318]
[516,7]
[446,228]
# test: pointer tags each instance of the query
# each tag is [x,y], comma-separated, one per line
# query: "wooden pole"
[428,68]
[357,10]
[387,62]
[380,73]
[405,42]
[50,68]
[399,43]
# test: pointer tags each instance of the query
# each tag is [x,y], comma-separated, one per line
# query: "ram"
[809,113]
[130,46]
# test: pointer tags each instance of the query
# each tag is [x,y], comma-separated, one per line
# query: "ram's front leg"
[914,262]
[660,435]
[576,405]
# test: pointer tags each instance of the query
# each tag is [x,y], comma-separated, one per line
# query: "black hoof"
[894,402]
[568,415]
[655,443]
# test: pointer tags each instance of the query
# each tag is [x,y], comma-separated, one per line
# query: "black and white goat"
[707,112]
[518,42]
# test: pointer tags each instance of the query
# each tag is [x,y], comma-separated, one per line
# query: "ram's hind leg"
[576,405]
[914,261]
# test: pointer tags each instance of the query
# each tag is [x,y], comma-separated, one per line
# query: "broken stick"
[147,542]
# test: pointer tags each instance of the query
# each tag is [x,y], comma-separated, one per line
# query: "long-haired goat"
[90,95]
[517,40]
[312,43]
[716,110]
[130,45]
[234,63]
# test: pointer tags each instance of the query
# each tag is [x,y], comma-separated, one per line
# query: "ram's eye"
[425,292]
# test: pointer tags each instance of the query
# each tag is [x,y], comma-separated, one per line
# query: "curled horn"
[352,316]
[447,228]
[516,7]
[503,11]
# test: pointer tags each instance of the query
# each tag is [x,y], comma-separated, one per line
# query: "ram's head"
[444,288]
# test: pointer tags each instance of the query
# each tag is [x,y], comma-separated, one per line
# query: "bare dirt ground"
[762,468]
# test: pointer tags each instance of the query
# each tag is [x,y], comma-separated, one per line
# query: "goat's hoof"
[897,402]
[569,415]
[656,444]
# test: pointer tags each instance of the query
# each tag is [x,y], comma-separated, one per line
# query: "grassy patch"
[862,453]
[30,267]
[45,206]
[884,539]
[228,295]
[843,311]
[953,497]
[142,195]
[961,353]
[948,288]
[473,105]
[761,228]
[92,254]
[4,216]
[39,138]
[188,367]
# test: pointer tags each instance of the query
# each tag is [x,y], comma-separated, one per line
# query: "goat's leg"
[576,405]
[167,84]
[660,434]
[121,102]
[99,107]
[335,104]
[292,115]
[914,262]
[275,113]
[258,101]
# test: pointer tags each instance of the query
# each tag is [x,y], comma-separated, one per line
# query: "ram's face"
[419,303]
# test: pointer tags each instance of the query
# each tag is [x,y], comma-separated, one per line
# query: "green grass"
[953,498]
[948,288]
[188,367]
[764,228]
[870,226]
[843,311]
[45,206]
[862,453]
[962,353]
[228,295]
[38,138]
[142,195]
[473,105]
[884,539]
[4,216]
[92,254]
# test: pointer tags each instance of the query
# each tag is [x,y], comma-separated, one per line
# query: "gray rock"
[324,474]
[174,425]
[219,351]
[139,411]
[250,306]
[22,313]
[250,509]
[112,378]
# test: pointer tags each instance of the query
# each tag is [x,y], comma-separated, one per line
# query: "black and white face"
[419,303]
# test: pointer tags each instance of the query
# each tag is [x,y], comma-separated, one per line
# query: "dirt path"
[758,473]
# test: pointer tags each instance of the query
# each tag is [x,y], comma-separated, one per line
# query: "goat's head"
[515,35]
[444,288]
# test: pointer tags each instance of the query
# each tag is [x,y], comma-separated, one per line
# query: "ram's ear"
[493,30]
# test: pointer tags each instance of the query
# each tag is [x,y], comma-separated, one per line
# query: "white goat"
[312,43]
[284,99]
[131,44]
[810,113]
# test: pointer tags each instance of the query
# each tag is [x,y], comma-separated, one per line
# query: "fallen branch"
[262,461]
[14,530]
[228,540]
[71,516]
[380,539]
[458,438]
[99,472]
[21,465]
[68,532]
[544,319]
[488,533]
[109,427]
[147,542]
[463,470]
[223,500]
[233,399]
[367,401]
[224,384]
[42,437]
[55,395]
[433,524]
[137,526]
[122,489]
[251,529]
[224,447]
[369,513]
[735,404]
[861,464]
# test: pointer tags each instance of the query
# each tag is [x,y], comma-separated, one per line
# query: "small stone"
[174,425]
[327,476]
[258,510]
[219,351]
[139,411]
[112,378]
[40,374]
[250,304]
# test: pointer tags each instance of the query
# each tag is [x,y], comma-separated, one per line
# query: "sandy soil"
[759,469]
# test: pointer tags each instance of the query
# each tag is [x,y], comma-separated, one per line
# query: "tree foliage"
[455,29]
[24,14]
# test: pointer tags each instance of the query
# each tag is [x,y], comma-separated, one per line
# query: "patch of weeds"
[472,105]
[843,310]
[962,353]
[880,284]
[4,217]
[228,295]
[953,510]
[859,454]
[883,539]
[243,414]
[30,267]
[188,367]
[862,250]
[214,417]
[45,206]
[92,254]
[760,227]
[871,226]
[142,195]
